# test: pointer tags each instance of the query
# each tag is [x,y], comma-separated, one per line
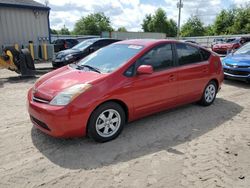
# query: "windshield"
[244,49]
[232,40]
[111,57]
[83,45]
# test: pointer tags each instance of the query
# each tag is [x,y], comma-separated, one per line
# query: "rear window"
[188,54]
[205,54]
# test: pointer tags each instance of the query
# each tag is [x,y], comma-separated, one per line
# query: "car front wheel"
[106,122]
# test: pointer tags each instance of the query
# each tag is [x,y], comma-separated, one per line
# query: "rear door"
[152,92]
[193,71]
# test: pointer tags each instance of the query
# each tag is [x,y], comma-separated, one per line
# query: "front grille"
[236,66]
[39,123]
[37,99]
[236,72]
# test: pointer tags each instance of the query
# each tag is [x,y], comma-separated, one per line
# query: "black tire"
[28,59]
[204,101]
[95,116]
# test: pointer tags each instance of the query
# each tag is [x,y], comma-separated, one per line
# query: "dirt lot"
[191,146]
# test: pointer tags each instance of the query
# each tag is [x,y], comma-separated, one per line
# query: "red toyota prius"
[121,83]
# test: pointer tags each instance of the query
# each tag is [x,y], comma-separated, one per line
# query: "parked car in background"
[120,83]
[217,41]
[80,39]
[228,45]
[80,51]
[237,64]
[194,42]
[62,44]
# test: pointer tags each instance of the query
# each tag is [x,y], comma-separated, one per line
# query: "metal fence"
[55,37]
[133,35]
[208,40]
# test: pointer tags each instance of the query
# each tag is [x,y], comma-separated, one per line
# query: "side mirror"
[145,69]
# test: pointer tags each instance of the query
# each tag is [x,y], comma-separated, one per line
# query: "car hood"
[223,45]
[238,59]
[49,85]
[67,52]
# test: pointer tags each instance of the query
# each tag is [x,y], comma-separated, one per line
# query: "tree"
[147,23]
[224,21]
[64,31]
[53,31]
[159,23]
[193,27]
[233,21]
[173,28]
[241,24]
[93,24]
[209,30]
[122,29]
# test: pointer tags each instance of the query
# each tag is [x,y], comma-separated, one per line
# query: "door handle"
[171,77]
[205,70]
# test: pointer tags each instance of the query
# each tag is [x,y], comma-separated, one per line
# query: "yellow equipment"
[20,62]
[6,61]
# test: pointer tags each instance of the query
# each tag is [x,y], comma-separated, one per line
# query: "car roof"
[145,42]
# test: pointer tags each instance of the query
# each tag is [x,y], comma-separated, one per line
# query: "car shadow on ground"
[237,83]
[158,132]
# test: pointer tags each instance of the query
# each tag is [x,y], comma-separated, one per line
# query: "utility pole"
[180,6]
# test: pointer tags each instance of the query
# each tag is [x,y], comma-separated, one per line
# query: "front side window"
[160,57]
[187,54]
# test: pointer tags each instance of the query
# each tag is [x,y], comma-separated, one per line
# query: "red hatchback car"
[121,83]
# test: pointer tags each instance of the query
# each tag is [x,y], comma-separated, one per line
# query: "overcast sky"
[130,13]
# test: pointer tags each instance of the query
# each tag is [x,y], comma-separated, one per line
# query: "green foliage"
[193,27]
[122,29]
[53,31]
[159,23]
[92,24]
[209,30]
[233,21]
[147,23]
[64,31]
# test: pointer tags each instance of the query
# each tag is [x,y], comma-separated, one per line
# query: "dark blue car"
[237,64]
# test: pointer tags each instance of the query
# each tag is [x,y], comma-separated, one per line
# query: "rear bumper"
[57,121]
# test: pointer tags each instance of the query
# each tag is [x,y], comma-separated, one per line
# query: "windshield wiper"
[90,68]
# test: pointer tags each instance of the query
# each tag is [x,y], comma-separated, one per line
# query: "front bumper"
[237,73]
[58,121]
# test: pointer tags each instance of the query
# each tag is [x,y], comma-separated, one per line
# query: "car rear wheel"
[209,94]
[106,122]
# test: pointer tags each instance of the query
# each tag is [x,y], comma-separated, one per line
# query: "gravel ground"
[191,146]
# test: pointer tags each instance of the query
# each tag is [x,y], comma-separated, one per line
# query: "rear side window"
[187,54]
[205,54]
[160,57]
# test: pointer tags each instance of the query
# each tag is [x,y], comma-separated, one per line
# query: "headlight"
[67,95]
[68,57]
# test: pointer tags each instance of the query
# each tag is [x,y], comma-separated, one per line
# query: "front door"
[153,92]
